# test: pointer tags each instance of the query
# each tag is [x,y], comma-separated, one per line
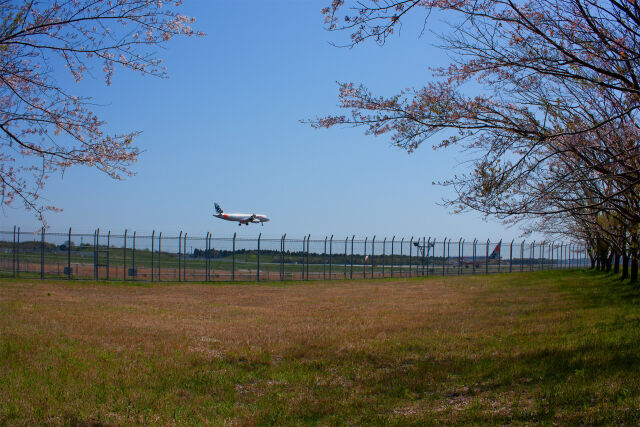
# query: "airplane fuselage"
[243,218]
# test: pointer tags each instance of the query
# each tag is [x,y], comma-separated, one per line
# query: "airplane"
[425,250]
[467,260]
[241,218]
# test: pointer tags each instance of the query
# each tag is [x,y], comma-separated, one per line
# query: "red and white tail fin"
[496,252]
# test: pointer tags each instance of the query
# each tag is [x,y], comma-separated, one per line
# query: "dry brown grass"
[343,315]
[463,349]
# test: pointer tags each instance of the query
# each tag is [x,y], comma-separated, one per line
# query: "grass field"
[551,347]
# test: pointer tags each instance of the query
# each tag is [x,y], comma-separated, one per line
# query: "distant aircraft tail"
[496,252]
[218,208]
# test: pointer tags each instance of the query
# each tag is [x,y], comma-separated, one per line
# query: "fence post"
[18,254]
[400,272]
[331,258]
[448,254]
[346,239]
[97,268]
[579,253]
[159,252]
[570,257]
[364,259]
[184,258]
[133,257]
[304,245]
[460,255]
[426,251]
[373,251]
[13,252]
[233,259]
[486,259]
[401,261]
[179,257]
[532,253]
[42,254]
[475,241]
[351,269]
[124,255]
[206,257]
[410,254]
[499,254]
[522,256]
[384,250]
[511,256]
[68,254]
[96,233]
[258,270]
[392,244]
[280,261]
[108,252]
[153,239]
[281,254]
[324,259]
[424,248]
[559,250]
[212,250]
[444,253]
[94,253]
[308,243]
[542,256]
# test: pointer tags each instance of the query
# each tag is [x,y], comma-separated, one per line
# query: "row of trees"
[554,134]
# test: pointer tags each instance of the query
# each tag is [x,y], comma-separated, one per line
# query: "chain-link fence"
[157,257]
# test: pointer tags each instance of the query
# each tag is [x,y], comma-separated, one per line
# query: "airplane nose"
[266,219]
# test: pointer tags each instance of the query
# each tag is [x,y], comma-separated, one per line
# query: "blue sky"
[225,126]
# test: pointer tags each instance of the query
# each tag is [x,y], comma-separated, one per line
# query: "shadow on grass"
[600,289]
[548,382]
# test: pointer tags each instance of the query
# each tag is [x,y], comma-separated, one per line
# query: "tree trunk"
[625,259]
[634,258]
[616,262]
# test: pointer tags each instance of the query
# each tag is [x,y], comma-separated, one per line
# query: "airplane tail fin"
[218,208]
[496,252]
